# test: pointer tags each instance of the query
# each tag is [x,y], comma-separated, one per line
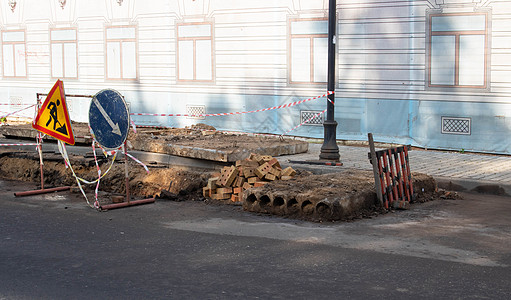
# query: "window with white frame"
[14,55]
[458,50]
[64,58]
[121,53]
[308,51]
[195,52]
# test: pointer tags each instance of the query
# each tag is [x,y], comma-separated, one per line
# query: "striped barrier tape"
[9,114]
[28,144]
[63,152]
[235,113]
[96,190]
[14,104]
[154,126]
[79,180]
[133,126]
[138,161]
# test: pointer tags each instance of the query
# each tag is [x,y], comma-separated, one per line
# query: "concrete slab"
[221,155]
[189,143]
[25,131]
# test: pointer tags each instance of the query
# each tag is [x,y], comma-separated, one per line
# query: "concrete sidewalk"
[457,171]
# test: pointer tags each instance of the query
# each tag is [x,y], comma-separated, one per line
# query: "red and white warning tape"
[234,113]
[154,126]
[17,111]
[133,126]
[96,191]
[79,180]
[237,113]
[138,161]
[29,144]
[244,133]
[13,104]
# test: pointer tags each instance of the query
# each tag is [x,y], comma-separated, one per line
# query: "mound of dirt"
[347,195]
[185,183]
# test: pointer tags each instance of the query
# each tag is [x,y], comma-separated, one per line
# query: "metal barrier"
[392,175]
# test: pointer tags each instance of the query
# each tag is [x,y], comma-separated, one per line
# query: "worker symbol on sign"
[53,117]
[52,106]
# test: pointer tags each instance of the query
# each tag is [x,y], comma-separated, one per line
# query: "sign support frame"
[40,151]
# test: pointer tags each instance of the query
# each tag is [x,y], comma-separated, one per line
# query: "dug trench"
[161,181]
[346,195]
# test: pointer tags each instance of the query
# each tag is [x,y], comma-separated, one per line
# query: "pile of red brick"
[255,171]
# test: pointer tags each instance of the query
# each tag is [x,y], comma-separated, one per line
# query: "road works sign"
[109,119]
[53,117]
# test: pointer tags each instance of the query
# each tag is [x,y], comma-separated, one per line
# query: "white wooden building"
[433,73]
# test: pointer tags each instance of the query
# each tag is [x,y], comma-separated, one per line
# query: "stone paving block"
[434,163]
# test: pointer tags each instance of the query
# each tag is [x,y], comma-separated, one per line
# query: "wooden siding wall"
[382,50]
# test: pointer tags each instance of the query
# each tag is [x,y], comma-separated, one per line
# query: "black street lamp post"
[330,150]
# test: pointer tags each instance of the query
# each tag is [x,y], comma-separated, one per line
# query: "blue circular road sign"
[109,118]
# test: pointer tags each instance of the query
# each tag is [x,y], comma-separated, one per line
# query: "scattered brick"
[255,171]
[262,170]
[275,172]
[224,190]
[270,177]
[260,183]
[258,158]
[227,176]
[248,172]
[251,180]
[212,183]
[221,196]
[267,158]
[274,163]
[288,172]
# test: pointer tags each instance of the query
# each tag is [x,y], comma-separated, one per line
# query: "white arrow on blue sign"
[109,118]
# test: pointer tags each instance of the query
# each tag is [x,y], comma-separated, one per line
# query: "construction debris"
[255,171]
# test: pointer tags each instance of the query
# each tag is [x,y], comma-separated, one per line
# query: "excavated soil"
[346,195]
[162,182]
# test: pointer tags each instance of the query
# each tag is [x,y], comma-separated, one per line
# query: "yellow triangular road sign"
[53,117]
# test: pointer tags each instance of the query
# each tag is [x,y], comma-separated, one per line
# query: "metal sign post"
[57,91]
[109,121]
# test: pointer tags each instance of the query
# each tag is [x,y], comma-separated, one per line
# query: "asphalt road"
[56,247]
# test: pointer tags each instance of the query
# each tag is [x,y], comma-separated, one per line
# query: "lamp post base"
[330,150]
